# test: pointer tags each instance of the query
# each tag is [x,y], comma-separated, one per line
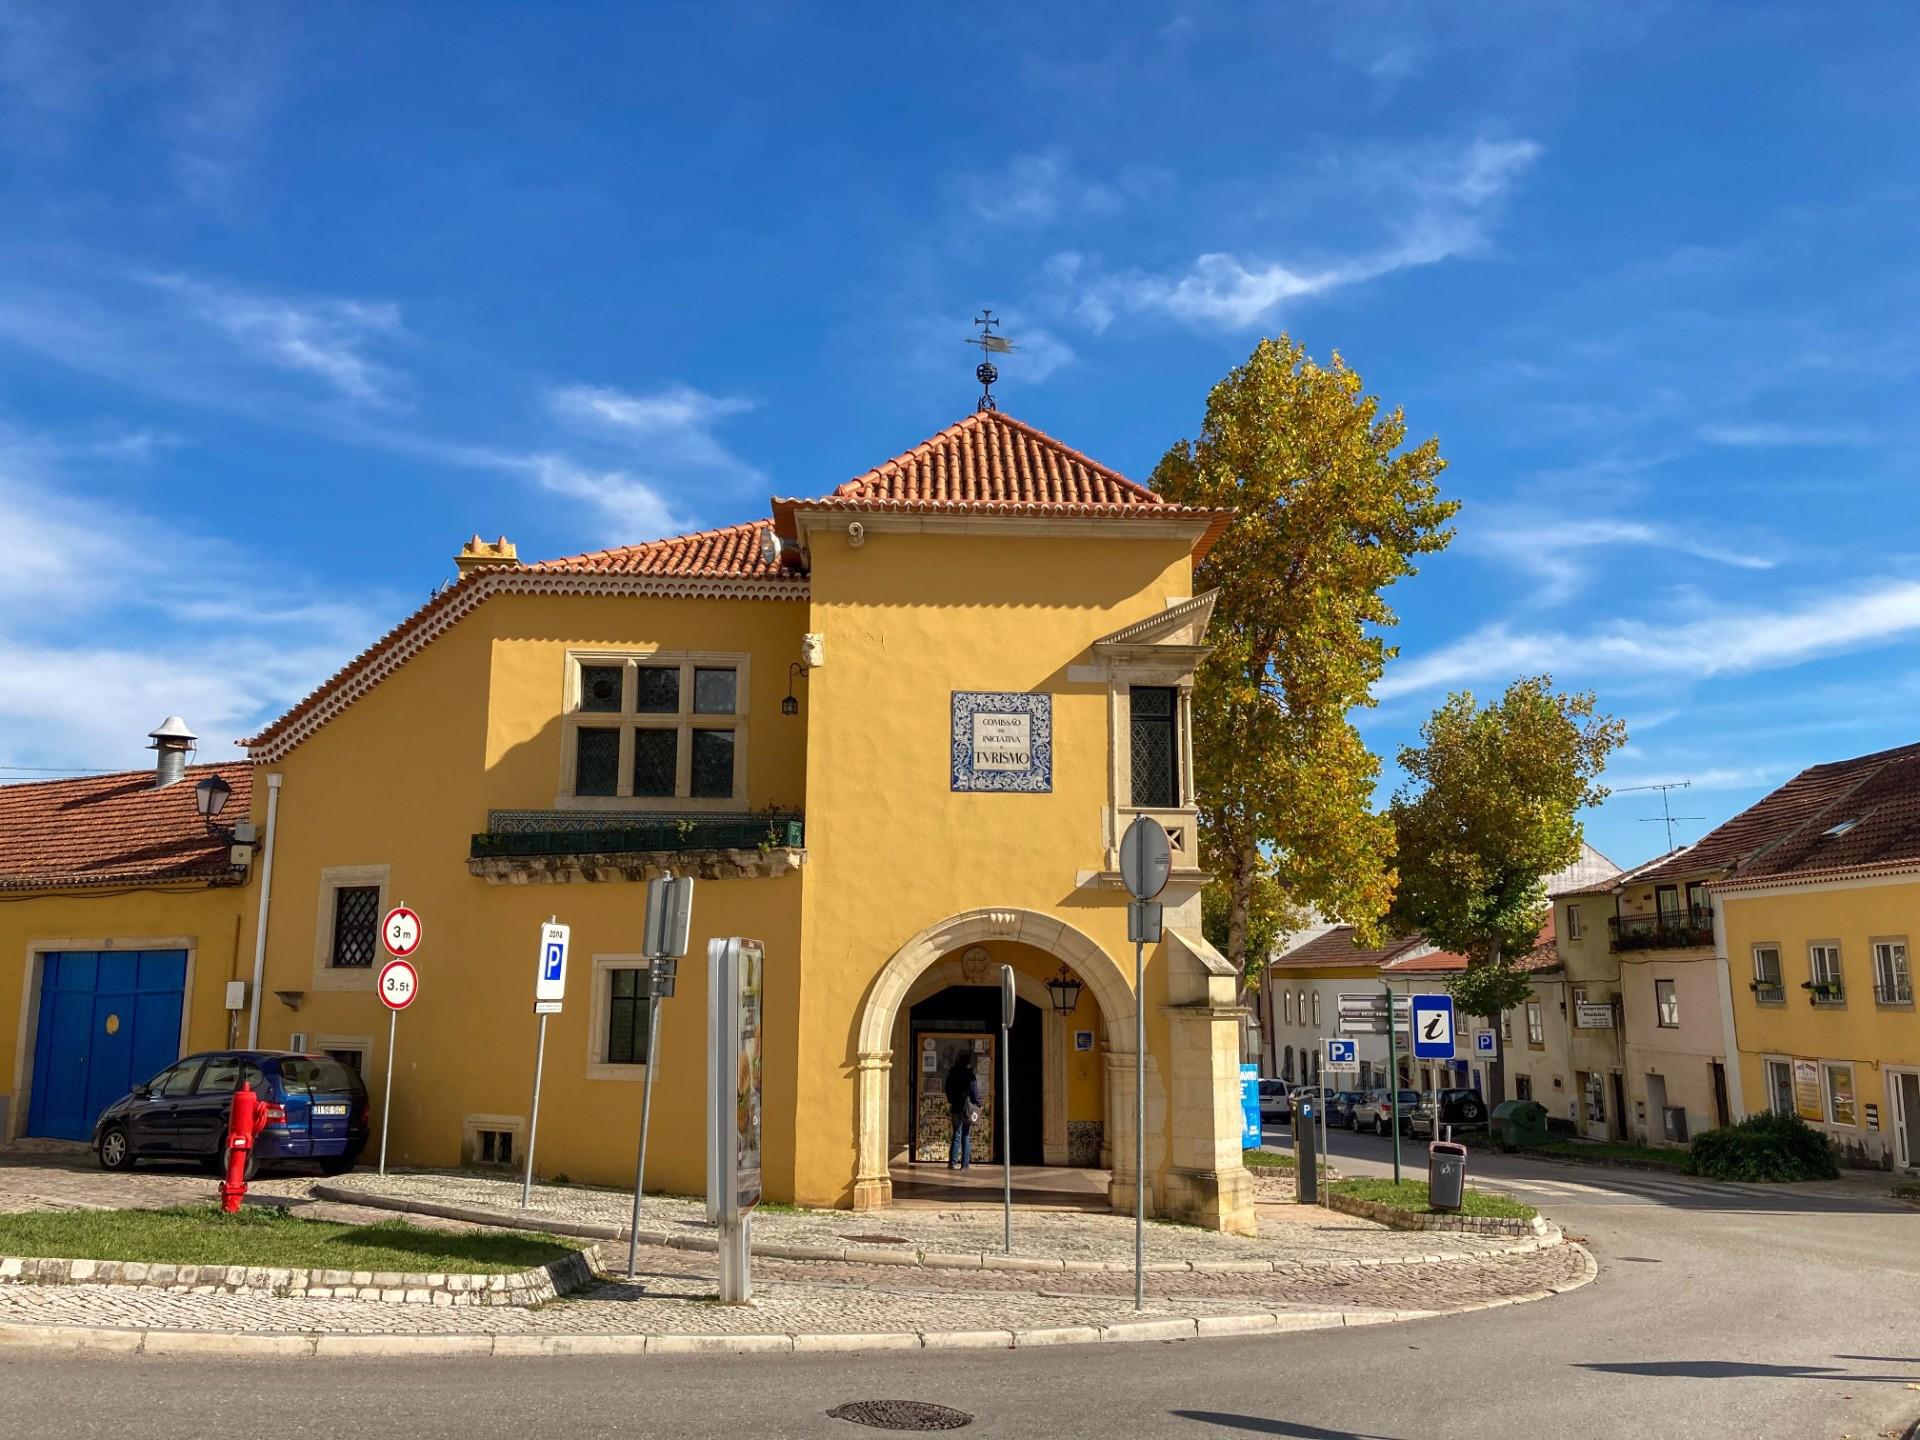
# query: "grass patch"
[261,1235]
[1266,1160]
[1618,1151]
[1412,1195]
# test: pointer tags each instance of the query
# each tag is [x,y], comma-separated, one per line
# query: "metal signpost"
[549,989]
[669,921]
[1393,1074]
[1338,1058]
[399,983]
[1146,862]
[734,971]
[1002,1104]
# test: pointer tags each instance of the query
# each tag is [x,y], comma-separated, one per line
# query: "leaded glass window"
[627,1017]
[659,690]
[713,762]
[600,688]
[356,924]
[713,691]
[1155,748]
[596,764]
[656,760]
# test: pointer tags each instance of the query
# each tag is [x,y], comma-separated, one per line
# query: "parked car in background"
[1380,1113]
[181,1113]
[1276,1103]
[1341,1105]
[1461,1109]
[1317,1095]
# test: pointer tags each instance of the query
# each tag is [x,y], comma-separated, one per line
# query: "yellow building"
[896,733]
[121,928]
[1817,898]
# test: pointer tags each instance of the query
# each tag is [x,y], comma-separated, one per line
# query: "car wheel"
[1469,1113]
[116,1149]
[220,1162]
[338,1164]
[1379,1126]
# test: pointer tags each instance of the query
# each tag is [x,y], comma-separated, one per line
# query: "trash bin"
[1446,1175]
[1518,1122]
[1306,1164]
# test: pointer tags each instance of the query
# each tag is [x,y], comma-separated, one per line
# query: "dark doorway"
[1618,1129]
[977,1008]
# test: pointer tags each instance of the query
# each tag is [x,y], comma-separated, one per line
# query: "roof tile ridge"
[710,533]
[1035,433]
[1820,811]
[852,488]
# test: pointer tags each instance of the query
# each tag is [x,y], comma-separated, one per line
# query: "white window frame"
[1574,932]
[1785,1065]
[1779,980]
[1536,1026]
[1286,1005]
[683,721]
[1828,1068]
[1672,1002]
[333,879]
[1316,1009]
[1883,948]
[1815,948]
[600,1012]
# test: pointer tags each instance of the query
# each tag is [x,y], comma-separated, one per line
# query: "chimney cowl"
[171,740]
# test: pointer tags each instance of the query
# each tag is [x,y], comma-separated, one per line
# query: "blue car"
[181,1113]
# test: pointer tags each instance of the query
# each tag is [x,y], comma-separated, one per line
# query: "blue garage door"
[107,1019]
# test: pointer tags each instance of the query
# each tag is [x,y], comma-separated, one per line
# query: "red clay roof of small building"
[1337,948]
[1790,833]
[115,829]
[991,463]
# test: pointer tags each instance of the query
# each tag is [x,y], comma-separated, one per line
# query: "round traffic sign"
[400,931]
[1146,857]
[399,983]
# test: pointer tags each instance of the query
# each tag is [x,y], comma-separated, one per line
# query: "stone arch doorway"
[932,961]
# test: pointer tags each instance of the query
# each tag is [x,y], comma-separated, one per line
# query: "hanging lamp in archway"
[1065,989]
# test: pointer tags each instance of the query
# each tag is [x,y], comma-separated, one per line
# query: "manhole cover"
[877,1239]
[901,1415]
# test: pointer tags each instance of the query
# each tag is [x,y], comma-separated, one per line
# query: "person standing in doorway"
[963,1102]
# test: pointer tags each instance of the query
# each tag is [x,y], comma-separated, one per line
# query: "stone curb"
[362,1346]
[524,1288]
[1395,1218]
[1541,1235]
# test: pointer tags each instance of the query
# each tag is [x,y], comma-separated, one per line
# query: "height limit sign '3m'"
[1433,1027]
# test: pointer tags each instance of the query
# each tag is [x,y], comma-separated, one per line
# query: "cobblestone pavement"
[1072,1235]
[673,1293]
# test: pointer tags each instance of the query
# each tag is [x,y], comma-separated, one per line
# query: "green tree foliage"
[1332,510]
[1489,810]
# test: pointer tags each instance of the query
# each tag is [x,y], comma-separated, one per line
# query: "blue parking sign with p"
[550,980]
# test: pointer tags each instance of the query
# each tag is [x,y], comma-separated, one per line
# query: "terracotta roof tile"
[991,463]
[1848,815]
[730,552]
[1337,948]
[114,829]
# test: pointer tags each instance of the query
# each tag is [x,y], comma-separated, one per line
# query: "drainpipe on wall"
[1723,981]
[266,901]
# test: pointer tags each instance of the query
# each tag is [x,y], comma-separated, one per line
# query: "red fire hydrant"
[248,1118]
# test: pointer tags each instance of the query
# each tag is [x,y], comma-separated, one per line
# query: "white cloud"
[1549,547]
[1039,189]
[1767,435]
[1453,204]
[1727,642]
[674,423]
[631,508]
[328,338]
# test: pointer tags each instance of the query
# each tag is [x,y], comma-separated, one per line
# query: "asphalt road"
[1719,1311]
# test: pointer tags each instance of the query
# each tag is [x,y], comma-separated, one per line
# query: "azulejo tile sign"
[1002,741]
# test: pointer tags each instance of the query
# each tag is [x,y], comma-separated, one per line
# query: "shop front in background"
[963,1020]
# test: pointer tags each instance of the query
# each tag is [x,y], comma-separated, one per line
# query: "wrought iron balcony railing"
[1668,930]
[1900,992]
[1769,993]
[1825,994]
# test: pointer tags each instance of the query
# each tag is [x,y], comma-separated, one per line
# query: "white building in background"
[1298,1003]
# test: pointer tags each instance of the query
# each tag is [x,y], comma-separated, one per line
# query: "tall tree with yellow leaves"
[1332,510]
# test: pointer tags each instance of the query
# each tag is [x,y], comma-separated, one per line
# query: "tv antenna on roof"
[990,344]
[1666,816]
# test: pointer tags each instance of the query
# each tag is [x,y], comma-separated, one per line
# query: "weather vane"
[990,344]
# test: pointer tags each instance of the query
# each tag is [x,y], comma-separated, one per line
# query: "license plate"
[329,1109]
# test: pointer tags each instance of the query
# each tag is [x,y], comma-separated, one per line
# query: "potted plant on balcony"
[1822,989]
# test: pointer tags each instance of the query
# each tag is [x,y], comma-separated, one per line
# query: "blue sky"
[292,299]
